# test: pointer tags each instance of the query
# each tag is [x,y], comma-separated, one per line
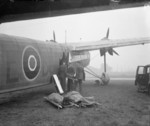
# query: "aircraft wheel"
[105,78]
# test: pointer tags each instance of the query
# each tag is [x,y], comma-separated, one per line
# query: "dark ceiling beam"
[11,11]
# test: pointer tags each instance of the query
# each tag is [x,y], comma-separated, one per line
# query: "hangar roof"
[15,10]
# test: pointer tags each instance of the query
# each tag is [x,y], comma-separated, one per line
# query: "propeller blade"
[115,52]
[107,35]
[54,36]
[111,51]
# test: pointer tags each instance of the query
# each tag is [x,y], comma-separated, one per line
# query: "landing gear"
[105,78]
[103,51]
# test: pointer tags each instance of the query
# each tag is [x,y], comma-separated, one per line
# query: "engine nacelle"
[82,57]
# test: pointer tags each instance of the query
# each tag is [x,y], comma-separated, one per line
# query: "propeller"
[54,38]
[110,50]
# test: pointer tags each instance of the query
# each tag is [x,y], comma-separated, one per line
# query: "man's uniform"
[71,74]
[80,75]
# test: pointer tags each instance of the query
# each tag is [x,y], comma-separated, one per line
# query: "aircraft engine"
[82,58]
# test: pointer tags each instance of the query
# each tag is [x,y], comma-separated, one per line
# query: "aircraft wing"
[95,45]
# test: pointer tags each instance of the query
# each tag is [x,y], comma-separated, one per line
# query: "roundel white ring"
[29,62]
[31,71]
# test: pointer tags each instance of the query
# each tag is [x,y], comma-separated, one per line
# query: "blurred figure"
[80,75]
[62,74]
[71,75]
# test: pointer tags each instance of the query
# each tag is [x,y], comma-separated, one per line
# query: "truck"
[142,79]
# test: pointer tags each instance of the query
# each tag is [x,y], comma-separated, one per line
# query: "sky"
[123,24]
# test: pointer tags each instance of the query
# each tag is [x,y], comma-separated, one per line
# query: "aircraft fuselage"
[27,63]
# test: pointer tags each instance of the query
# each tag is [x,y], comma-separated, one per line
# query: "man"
[62,75]
[71,75]
[80,76]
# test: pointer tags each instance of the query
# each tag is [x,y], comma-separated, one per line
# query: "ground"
[121,105]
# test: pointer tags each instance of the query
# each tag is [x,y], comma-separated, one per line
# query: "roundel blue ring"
[29,73]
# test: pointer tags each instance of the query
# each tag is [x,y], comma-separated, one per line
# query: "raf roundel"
[31,62]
